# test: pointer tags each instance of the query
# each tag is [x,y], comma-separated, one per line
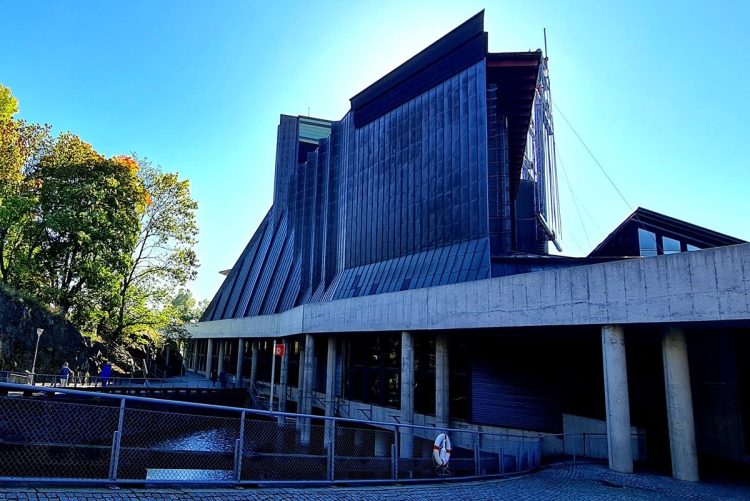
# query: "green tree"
[21,146]
[8,103]
[163,259]
[183,310]
[85,230]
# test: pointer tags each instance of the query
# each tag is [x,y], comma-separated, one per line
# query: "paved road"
[567,481]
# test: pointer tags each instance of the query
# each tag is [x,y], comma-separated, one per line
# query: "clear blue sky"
[658,91]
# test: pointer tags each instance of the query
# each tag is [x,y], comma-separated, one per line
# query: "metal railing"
[86,381]
[70,437]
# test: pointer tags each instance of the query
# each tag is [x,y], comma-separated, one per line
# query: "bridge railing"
[78,380]
[79,436]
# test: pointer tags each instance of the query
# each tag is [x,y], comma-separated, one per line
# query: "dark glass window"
[670,245]
[646,242]
[373,369]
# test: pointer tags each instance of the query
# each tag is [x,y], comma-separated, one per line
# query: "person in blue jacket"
[65,374]
[106,373]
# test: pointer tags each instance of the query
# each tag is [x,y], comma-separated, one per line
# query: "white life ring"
[441,450]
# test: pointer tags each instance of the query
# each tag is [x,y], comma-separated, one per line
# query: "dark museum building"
[409,241]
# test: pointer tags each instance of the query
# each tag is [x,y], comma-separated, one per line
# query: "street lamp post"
[36,350]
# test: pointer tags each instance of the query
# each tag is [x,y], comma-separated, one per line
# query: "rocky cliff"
[60,342]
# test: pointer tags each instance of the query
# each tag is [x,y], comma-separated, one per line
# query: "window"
[646,242]
[691,248]
[670,245]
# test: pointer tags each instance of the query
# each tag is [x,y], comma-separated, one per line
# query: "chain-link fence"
[68,435]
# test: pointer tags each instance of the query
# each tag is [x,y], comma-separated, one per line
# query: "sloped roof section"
[456,51]
[653,221]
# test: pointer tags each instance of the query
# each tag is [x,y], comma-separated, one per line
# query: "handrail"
[259,412]
[42,380]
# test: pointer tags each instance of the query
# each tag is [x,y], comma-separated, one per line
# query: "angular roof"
[459,49]
[650,220]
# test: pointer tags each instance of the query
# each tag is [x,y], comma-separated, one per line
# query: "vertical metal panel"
[510,398]
[402,202]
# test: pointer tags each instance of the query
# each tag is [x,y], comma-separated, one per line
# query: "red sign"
[280,349]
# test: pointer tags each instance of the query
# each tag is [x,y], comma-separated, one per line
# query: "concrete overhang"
[711,285]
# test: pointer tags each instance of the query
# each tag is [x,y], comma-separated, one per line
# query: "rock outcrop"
[60,342]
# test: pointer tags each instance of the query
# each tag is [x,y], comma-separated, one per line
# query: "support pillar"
[209,358]
[240,357]
[308,382]
[220,364]
[679,406]
[300,378]
[195,356]
[381,444]
[616,399]
[253,365]
[330,387]
[284,376]
[442,386]
[305,394]
[407,394]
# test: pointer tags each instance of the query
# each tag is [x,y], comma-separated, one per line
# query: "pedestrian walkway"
[565,481]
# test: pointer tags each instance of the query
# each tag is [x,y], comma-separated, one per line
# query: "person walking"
[106,374]
[65,374]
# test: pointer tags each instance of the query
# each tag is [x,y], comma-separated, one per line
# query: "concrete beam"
[679,406]
[684,287]
[616,399]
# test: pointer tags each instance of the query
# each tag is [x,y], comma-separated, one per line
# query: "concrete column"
[331,376]
[309,381]
[307,389]
[194,366]
[616,399]
[330,386]
[442,385]
[340,366]
[407,394]
[381,444]
[300,376]
[679,406]
[209,357]
[284,376]
[220,364]
[253,364]
[240,356]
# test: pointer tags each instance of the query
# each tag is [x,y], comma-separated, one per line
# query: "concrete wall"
[707,285]
[507,439]
[595,443]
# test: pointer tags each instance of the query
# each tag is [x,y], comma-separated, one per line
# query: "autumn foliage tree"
[85,228]
[163,259]
[21,146]
[106,242]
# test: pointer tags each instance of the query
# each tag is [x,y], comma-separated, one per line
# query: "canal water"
[212,440]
